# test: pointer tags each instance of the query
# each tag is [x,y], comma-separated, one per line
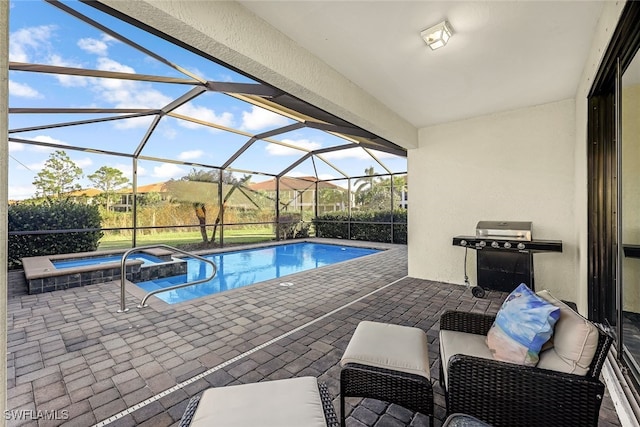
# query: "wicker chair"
[505,394]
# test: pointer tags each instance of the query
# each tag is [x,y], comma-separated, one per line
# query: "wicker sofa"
[506,394]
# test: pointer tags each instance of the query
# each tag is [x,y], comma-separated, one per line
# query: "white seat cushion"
[575,340]
[291,402]
[454,342]
[384,345]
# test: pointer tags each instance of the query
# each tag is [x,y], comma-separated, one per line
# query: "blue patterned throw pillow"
[522,326]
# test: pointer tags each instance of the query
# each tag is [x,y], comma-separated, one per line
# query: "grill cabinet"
[505,253]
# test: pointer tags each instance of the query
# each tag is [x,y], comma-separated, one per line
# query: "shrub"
[51,215]
[292,227]
[373,226]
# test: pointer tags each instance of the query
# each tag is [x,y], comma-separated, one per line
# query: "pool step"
[167,282]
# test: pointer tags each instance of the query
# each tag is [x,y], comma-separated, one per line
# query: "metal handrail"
[142,304]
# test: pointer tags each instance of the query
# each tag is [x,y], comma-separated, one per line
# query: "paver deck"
[73,357]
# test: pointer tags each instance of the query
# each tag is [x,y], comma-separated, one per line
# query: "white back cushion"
[575,340]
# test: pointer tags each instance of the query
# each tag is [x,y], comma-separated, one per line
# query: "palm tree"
[364,184]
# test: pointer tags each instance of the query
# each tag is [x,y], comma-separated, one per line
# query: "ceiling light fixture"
[438,35]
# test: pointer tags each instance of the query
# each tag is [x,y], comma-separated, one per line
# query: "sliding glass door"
[629,233]
[614,190]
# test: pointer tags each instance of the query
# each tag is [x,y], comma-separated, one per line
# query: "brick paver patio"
[73,356]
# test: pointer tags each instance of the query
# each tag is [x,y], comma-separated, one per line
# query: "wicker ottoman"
[291,402]
[387,362]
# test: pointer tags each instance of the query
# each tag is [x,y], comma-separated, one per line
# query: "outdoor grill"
[505,253]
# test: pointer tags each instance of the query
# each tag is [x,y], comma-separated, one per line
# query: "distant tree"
[109,180]
[331,197]
[151,198]
[380,197]
[58,176]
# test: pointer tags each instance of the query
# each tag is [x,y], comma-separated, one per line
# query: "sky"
[43,34]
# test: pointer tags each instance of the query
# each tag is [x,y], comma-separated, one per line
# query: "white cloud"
[47,139]
[108,39]
[118,93]
[25,42]
[127,94]
[116,90]
[259,118]
[204,114]
[68,81]
[108,64]
[127,169]
[197,72]
[36,166]
[169,132]
[137,122]
[326,176]
[83,163]
[15,146]
[281,150]
[91,45]
[21,192]
[168,171]
[191,155]
[23,90]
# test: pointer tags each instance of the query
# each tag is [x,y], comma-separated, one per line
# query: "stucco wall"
[517,166]
[449,171]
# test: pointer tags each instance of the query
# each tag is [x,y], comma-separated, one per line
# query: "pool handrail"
[123,278]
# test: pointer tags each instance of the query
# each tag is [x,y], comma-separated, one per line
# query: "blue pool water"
[71,263]
[246,267]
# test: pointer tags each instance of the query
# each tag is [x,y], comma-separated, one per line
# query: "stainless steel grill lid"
[504,230]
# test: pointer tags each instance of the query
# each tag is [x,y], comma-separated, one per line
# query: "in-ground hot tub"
[64,271]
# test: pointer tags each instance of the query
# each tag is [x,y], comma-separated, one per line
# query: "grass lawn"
[231,236]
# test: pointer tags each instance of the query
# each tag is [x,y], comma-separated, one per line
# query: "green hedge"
[336,225]
[52,215]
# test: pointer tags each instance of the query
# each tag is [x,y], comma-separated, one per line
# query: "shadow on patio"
[70,352]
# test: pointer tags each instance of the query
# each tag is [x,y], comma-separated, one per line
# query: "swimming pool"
[246,267]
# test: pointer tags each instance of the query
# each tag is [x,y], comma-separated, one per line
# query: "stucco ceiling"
[503,55]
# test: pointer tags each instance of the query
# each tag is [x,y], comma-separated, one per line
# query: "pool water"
[81,262]
[246,267]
